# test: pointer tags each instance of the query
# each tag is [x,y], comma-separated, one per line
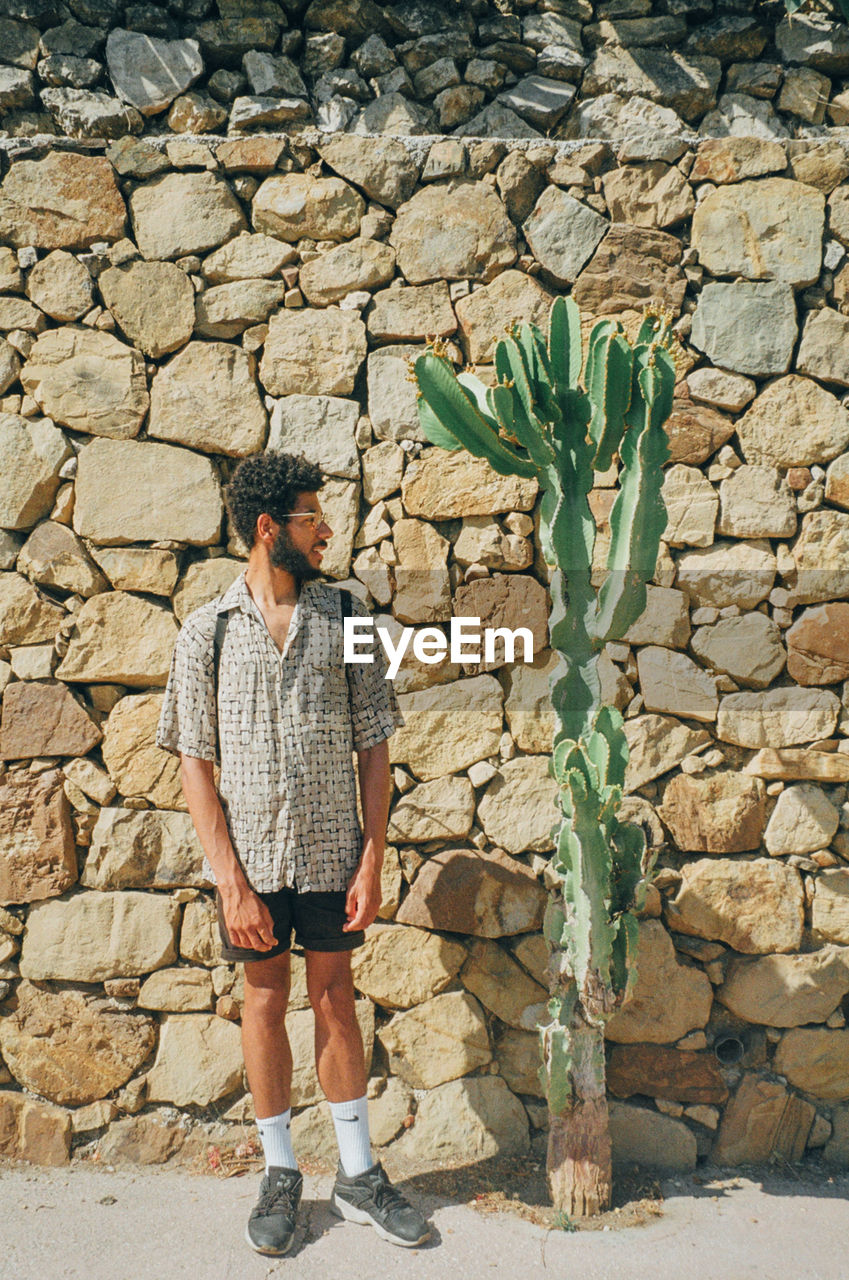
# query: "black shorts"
[317,919]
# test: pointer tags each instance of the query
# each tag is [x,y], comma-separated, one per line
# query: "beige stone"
[399,966]
[664,621]
[777,718]
[184,213]
[518,1057]
[803,820]
[203,581]
[131,491]
[483,541]
[200,942]
[65,201]
[226,310]
[206,397]
[756,502]
[814,1060]
[490,895]
[464,1121]
[314,1135]
[721,813]
[26,617]
[512,298]
[146,1139]
[92,779]
[36,839]
[632,268]
[439,810]
[383,467]
[181,990]
[60,286]
[340,503]
[747,648]
[820,554]
[514,602]
[671,682]
[136,765]
[153,302]
[761,1121]
[391,884]
[143,849]
[818,645]
[519,810]
[383,167]
[300,1025]
[358,264]
[696,431]
[657,744]
[503,987]
[138,568]
[416,312]
[387,1112]
[37,1132]
[722,160]
[786,991]
[44,719]
[291,206]
[442,486]
[247,257]
[794,422]
[120,638]
[794,764]
[55,557]
[198,1060]
[92,936]
[440,1040]
[830,908]
[88,381]
[755,907]
[729,391]
[668,1000]
[313,352]
[392,403]
[822,353]
[642,1137]
[453,231]
[31,454]
[422,584]
[771,228]
[449,727]
[62,1045]
[691,505]
[648,195]
[528,708]
[728,573]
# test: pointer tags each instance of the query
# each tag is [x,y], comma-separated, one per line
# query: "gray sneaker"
[371,1198]
[271,1226]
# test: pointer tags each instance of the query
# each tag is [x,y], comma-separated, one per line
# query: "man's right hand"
[248,920]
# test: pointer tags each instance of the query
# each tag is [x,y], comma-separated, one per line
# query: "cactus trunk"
[539,421]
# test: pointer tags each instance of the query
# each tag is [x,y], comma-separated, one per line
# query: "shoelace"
[386,1196]
[276,1197]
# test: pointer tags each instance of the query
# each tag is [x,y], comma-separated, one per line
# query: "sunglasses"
[313,518]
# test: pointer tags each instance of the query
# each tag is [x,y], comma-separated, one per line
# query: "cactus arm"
[564,344]
[433,428]
[506,408]
[454,408]
[609,379]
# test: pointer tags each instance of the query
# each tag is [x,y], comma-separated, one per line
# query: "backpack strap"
[347,603]
[217,642]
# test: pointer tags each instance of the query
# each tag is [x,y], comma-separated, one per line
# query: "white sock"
[350,1119]
[276,1135]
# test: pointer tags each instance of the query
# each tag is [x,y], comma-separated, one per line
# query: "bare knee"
[332,998]
[267,986]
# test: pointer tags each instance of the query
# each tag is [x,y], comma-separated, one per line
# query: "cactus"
[554,417]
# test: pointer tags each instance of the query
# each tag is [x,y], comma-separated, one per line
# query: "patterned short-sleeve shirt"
[288,724]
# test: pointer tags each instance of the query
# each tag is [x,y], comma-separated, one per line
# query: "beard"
[284,556]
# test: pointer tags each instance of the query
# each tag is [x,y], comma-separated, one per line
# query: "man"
[280,835]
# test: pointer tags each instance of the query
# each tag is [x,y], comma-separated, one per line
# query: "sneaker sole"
[268,1253]
[351,1214]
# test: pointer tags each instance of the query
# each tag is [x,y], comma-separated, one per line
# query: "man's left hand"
[364,896]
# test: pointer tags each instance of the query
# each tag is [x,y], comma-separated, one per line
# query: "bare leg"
[265,1044]
[339,1057]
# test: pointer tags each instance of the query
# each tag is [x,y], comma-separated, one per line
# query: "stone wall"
[166,313]
[105,69]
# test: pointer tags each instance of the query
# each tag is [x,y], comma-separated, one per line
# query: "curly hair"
[268,483]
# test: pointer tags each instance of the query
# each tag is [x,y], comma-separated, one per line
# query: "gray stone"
[621,119]
[541,101]
[392,399]
[563,234]
[496,121]
[650,1140]
[256,113]
[739,116]
[747,648]
[393,113]
[84,113]
[812,39]
[150,73]
[184,213]
[686,84]
[322,428]
[824,349]
[747,328]
[270,76]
